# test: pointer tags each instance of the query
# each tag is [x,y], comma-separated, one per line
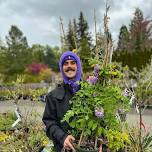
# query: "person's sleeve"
[53,129]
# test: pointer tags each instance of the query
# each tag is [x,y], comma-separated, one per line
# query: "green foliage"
[84,44]
[140,31]
[116,139]
[43,76]
[143,90]
[16,55]
[4,95]
[102,95]
[146,141]
[38,52]
[51,58]
[6,121]
[71,37]
[134,45]
[17,90]
[136,59]
[28,139]
[123,40]
[78,37]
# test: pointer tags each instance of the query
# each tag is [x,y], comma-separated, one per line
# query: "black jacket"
[57,104]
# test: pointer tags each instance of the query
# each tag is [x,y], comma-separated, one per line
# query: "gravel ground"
[27,107]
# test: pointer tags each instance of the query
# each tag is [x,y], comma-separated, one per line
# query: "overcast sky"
[39,19]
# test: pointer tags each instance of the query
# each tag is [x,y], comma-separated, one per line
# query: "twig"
[140,137]
[95,29]
[95,144]
[80,138]
[105,61]
[63,38]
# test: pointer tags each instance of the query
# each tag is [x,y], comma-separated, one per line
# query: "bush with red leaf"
[36,68]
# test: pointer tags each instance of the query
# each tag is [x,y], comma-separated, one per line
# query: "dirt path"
[25,106]
[28,107]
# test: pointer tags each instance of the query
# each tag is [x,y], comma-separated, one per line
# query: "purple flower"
[92,80]
[99,114]
[120,111]
[94,95]
[126,93]
[96,70]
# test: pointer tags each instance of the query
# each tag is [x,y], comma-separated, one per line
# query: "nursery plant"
[95,111]
[98,107]
[25,139]
[140,140]
[6,120]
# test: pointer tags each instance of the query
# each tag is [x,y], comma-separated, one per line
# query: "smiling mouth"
[69,69]
[70,72]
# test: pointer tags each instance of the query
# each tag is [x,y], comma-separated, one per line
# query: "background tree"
[84,42]
[51,58]
[17,55]
[2,52]
[71,37]
[140,31]
[38,52]
[137,52]
[123,40]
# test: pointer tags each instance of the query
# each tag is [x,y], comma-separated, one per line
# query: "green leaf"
[94,126]
[100,131]
[86,117]
[90,124]
[88,132]
[73,124]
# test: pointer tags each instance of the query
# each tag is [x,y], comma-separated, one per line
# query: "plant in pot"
[94,117]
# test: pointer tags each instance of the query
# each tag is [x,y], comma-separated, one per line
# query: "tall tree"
[140,31]
[38,52]
[51,59]
[138,50]
[75,34]
[17,55]
[123,40]
[84,41]
[71,37]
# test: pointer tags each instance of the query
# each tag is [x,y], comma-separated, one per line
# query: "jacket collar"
[60,91]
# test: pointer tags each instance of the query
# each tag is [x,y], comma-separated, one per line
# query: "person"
[57,102]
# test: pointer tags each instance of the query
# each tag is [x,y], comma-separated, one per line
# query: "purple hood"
[64,57]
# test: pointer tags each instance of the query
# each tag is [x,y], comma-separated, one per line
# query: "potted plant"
[94,112]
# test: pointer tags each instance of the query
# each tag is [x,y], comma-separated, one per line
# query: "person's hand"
[100,149]
[68,143]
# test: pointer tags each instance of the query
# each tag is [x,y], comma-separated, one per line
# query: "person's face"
[70,69]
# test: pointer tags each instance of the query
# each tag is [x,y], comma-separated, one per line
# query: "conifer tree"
[71,37]
[123,40]
[17,55]
[140,31]
[84,41]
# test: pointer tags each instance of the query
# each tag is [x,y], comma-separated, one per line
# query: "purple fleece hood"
[70,55]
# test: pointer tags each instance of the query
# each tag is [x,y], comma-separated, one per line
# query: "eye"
[65,63]
[73,62]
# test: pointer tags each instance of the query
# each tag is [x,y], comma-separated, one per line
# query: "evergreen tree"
[51,58]
[70,37]
[83,29]
[84,42]
[38,52]
[123,40]
[140,31]
[17,55]
[136,49]
[75,34]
